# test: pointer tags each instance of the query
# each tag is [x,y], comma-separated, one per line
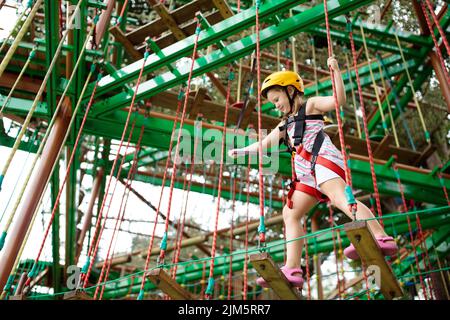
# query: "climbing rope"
[436,45]
[47,133]
[397,102]
[150,246]
[394,130]
[124,7]
[261,227]
[349,76]
[348,188]
[186,98]
[126,193]
[233,208]
[405,209]
[375,87]
[38,94]
[209,289]
[366,130]
[91,253]
[437,24]
[410,83]
[110,204]
[18,21]
[245,271]
[19,36]
[163,245]
[22,71]
[32,273]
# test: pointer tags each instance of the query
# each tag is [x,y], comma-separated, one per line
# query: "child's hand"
[332,62]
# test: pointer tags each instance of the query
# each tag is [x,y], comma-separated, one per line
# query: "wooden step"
[274,277]
[367,247]
[77,295]
[165,283]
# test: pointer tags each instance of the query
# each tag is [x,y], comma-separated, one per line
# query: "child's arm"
[272,139]
[325,104]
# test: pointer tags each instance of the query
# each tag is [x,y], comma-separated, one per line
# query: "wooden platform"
[77,295]
[366,246]
[164,282]
[267,268]
[18,297]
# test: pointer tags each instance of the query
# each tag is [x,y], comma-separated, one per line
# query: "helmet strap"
[291,99]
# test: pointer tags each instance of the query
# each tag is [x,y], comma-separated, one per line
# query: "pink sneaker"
[295,280]
[388,248]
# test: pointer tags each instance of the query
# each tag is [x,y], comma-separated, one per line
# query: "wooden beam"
[77,295]
[195,106]
[168,285]
[370,253]
[127,45]
[267,268]
[115,261]
[382,150]
[169,21]
[224,8]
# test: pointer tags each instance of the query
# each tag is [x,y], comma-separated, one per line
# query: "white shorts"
[323,174]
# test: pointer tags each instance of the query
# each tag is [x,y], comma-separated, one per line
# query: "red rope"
[230,270]
[262,236]
[122,207]
[183,116]
[129,181]
[124,6]
[69,164]
[150,246]
[436,22]
[225,122]
[405,209]
[308,277]
[334,249]
[438,51]
[112,172]
[181,228]
[107,211]
[244,293]
[444,188]
[366,131]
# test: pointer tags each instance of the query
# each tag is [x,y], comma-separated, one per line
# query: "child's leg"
[302,203]
[334,190]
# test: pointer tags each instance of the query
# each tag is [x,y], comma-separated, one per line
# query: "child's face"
[279,99]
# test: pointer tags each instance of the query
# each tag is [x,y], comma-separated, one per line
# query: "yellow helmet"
[283,79]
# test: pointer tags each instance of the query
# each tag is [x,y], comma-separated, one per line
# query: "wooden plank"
[169,21]
[267,268]
[77,295]
[168,38]
[194,107]
[248,113]
[181,15]
[18,297]
[168,285]
[382,150]
[127,45]
[223,8]
[366,246]
[425,154]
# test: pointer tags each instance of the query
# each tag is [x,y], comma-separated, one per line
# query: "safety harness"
[313,157]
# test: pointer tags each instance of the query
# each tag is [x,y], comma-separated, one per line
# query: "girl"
[318,163]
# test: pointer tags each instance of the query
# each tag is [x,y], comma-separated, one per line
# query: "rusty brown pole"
[88,215]
[34,191]
[103,22]
[318,270]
